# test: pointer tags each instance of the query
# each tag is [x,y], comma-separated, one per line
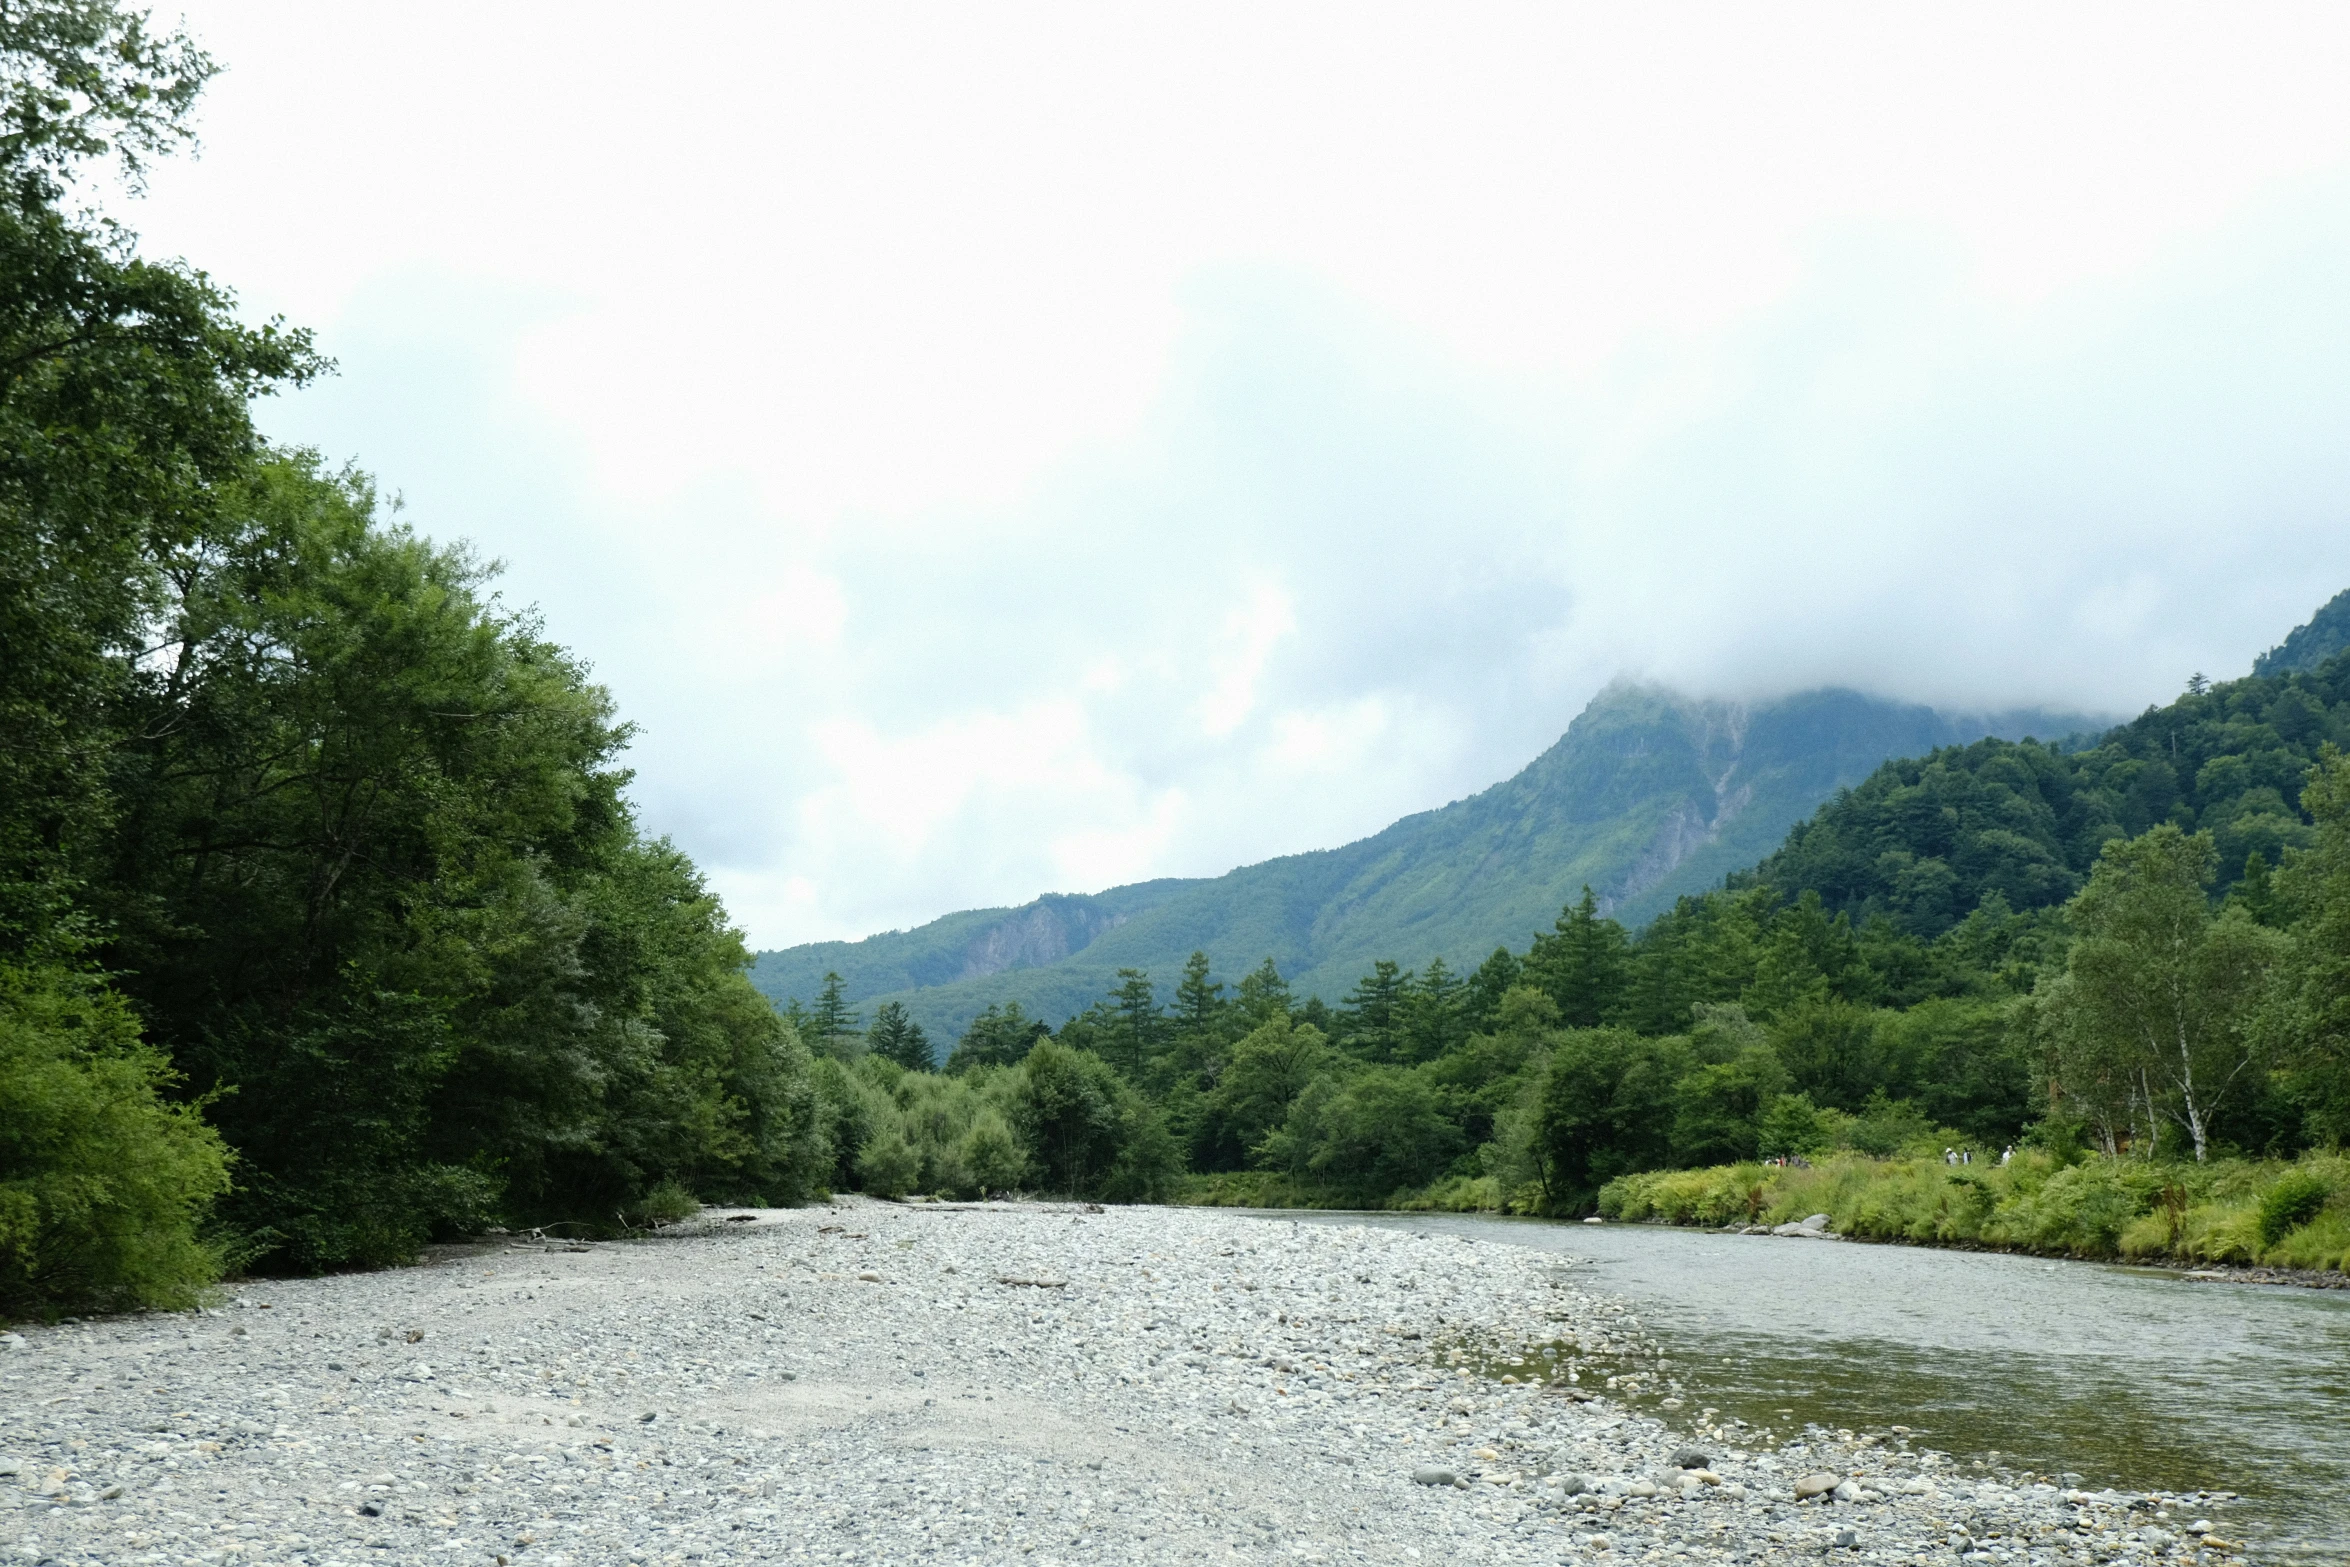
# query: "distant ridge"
[2327,633]
[1650,794]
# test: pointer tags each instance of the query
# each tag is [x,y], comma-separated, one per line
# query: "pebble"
[873,1382]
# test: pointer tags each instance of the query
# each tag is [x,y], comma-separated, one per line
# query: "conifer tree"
[1199,1003]
[1139,1019]
[1264,995]
[896,1037]
[831,1021]
[1372,1017]
[1580,963]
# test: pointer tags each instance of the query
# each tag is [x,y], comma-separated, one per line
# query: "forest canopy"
[325,925]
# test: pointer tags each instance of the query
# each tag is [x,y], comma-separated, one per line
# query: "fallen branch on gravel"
[1041,1284]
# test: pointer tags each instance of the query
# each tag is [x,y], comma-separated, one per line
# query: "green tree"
[1430,1014]
[831,1023]
[2307,1018]
[2157,982]
[1495,978]
[1375,1131]
[1371,1022]
[1607,1108]
[999,1036]
[1268,1069]
[896,1037]
[104,1182]
[1087,1133]
[1580,964]
[1264,995]
[1199,1001]
[1140,1021]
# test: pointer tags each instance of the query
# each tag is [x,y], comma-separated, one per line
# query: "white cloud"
[992,451]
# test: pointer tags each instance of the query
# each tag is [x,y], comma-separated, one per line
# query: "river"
[2123,1376]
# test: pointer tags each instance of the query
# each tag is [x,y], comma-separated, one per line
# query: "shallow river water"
[2124,1376]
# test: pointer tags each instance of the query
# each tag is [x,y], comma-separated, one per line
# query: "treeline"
[2164,1001]
[325,927]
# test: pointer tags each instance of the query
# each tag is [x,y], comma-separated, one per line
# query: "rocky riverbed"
[1008,1383]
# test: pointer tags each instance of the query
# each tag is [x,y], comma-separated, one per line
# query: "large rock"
[1811,1485]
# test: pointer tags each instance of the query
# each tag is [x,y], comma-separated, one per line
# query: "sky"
[1023,448]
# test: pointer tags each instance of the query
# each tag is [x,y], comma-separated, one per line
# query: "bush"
[991,1155]
[666,1203]
[2292,1202]
[103,1184]
[887,1165]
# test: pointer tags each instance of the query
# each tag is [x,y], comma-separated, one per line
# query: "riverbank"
[1000,1383]
[2286,1220]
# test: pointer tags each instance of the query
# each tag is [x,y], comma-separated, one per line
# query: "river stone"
[1693,1458]
[1577,1484]
[1849,1491]
[1811,1485]
[1429,1476]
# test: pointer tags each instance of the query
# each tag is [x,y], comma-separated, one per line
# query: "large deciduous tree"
[2159,991]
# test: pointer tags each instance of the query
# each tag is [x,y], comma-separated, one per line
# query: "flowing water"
[2123,1376]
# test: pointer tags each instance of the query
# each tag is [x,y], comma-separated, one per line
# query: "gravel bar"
[1026,1383]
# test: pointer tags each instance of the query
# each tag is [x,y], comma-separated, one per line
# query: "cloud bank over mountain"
[1117,451]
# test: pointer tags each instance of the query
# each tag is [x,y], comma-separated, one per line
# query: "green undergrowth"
[2261,1212]
[1275,1189]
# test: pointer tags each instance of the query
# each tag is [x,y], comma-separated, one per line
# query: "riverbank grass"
[2270,1213]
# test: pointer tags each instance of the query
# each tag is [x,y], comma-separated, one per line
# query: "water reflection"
[2123,1376]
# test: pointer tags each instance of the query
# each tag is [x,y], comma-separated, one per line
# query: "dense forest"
[2130,949]
[325,927]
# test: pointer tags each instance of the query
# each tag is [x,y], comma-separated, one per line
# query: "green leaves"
[104,1181]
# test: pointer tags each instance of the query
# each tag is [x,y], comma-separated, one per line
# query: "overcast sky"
[1002,449]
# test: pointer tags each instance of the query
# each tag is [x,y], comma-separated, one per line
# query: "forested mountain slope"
[1649,795]
[2327,633]
[1925,838]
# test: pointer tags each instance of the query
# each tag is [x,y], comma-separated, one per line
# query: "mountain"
[2327,633]
[1923,839]
[1650,794]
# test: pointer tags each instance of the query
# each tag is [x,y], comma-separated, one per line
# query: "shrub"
[887,1164]
[666,1203]
[103,1183]
[2323,1242]
[2292,1202]
[991,1155]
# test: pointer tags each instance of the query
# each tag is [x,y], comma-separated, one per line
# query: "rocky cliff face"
[1045,931]
[1715,734]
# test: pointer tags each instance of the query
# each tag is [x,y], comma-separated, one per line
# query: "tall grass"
[2267,1212]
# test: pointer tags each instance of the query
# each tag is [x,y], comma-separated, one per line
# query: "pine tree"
[1199,1003]
[896,1037]
[831,1021]
[1139,1019]
[1580,965]
[1372,1017]
[1481,1001]
[1264,995]
[1432,1012]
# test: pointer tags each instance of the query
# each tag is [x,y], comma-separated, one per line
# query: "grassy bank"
[2269,1213]
[1271,1189]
